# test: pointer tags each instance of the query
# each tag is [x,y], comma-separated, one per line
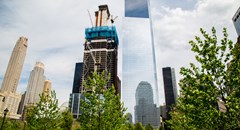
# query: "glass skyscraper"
[236,21]
[138,52]
[170,88]
[145,111]
[77,81]
[75,96]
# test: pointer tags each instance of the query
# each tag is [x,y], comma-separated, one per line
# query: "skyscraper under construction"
[101,48]
[100,54]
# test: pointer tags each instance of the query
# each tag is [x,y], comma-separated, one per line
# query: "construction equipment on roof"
[101,49]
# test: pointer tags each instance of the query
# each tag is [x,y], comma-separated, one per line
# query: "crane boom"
[90,18]
[93,57]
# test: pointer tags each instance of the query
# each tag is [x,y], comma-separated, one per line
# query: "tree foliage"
[101,108]
[138,126]
[45,115]
[11,124]
[148,127]
[66,120]
[210,90]
[127,126]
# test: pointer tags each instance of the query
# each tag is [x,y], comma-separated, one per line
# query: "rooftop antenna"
[90,18]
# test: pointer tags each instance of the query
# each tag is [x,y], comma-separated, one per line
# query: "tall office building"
[236,21]
[74,101]
[138,52]
[146,111]
[35,85]
[170,88]
[101,48]
[77,81]
[21,106]
[8,97]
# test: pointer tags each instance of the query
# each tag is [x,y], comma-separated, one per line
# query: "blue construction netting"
[108,32]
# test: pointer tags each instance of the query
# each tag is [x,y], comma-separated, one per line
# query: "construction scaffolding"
[102,32]
[100,54]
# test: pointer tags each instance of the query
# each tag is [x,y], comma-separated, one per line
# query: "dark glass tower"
[74,101]
[170,88]
[77,81]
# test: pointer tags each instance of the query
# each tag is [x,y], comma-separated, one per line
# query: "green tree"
[127,126]
[12,124]
[45,114]
[148,127]
[101,108]
[214,80]
[66,120]
[138,126]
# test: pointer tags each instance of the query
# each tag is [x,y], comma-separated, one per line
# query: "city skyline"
[56,30]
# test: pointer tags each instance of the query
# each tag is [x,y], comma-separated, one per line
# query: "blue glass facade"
[136,8]
[138,56]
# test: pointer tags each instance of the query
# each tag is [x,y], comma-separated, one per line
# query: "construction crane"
[96,64]
[90,18]
[113,19]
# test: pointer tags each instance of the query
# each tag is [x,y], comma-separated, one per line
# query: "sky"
[55,32]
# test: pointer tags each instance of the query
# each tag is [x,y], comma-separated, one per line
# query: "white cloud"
[174,27]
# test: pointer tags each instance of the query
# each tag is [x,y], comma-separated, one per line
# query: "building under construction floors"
[101,48]
[100,54]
